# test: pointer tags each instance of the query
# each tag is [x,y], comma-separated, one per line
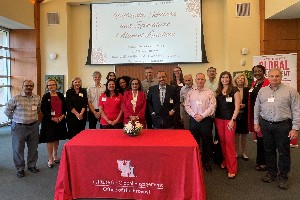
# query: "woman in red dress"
[134,103]
[53,126]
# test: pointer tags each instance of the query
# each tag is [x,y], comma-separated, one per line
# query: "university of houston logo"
[125,167]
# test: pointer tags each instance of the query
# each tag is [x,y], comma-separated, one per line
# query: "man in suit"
[162,103]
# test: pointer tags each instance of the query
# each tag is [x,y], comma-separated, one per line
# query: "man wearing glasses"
[23,109]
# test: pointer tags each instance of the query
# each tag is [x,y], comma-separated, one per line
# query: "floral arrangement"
[133,128]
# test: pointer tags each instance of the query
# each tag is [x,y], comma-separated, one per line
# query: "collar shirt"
[148,83]
[23,109]
[183,92]
[212,85]
[202,102]
[94,92]
[277,105]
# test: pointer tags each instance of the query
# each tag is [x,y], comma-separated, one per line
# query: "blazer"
[140,108]
[46,105]
[160,113]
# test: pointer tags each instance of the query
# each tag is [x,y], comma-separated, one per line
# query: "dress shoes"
[245,158]
[20,174]
[269,178]
[231,176]
[282,184]
[208,168]
[56,160]
[33,169]
[260,167]
[50,165]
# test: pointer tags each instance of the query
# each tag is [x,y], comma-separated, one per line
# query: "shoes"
[282,184]
[56,159]
[20,174]
[269,178]
[245,158]
[260,167]
[33,169]
[208,168]
[231,176]
[50,165]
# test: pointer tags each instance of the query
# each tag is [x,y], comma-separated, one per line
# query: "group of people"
[225,108]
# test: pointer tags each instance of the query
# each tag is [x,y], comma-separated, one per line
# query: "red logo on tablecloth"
[125,167]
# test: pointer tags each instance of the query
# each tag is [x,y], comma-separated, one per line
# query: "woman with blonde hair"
[53,127]
[77,103]
[240,81]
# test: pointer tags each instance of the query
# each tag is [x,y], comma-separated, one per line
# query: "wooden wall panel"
[280,36]
[138,71]
[23,62]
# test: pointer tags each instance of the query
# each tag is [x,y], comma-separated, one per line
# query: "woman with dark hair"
[178,82]
[111,75]
[77,102]
[110,107]
[123,84]
[228,107]
[134,103]
[259,72]
[53,127]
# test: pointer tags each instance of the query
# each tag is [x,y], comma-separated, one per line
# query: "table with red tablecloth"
[158,164]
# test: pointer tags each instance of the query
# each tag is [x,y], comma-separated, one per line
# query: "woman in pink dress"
[134,103]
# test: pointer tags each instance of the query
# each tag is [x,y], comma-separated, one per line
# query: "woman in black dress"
[53,127]
[77,102]
[259,72]
[178,82]
[240,81]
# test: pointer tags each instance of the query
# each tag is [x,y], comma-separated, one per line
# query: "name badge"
[228,99]
[80,94]
[251,90]
[34,108]
[171,101]
[271,100]
[52,113]
[103,99]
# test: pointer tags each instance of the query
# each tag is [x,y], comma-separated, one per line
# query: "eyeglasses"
[134,83]
[28,85]
[51,85]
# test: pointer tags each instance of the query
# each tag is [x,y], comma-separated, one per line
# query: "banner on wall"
[288,64]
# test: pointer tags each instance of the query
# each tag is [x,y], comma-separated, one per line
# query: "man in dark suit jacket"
[162,102]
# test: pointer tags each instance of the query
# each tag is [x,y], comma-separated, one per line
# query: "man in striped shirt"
[23,109]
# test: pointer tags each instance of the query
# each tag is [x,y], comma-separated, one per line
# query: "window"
[4,73]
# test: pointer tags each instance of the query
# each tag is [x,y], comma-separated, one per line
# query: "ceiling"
[291,12]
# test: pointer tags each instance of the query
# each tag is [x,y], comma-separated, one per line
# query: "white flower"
[133,128]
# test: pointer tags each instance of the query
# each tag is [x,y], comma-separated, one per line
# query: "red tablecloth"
[158,164]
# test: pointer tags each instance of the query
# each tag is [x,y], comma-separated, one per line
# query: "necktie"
[162,95]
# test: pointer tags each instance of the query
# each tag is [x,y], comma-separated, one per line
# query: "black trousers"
[260,151]
[202,133]
[275,136]
[92,119]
